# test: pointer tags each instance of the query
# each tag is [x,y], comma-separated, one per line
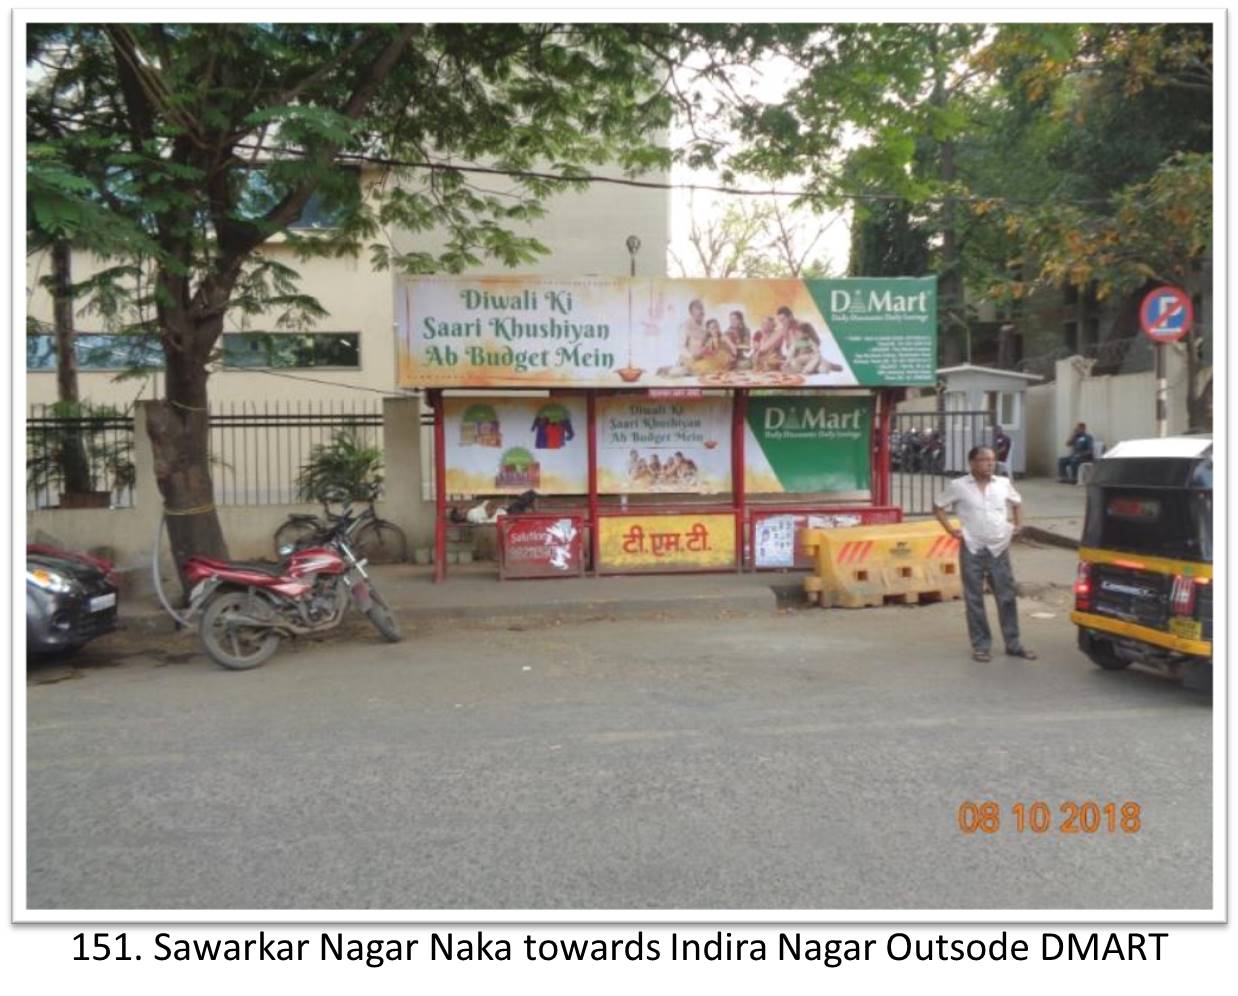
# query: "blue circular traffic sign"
[1166,314]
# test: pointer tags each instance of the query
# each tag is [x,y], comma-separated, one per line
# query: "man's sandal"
[983,656]
[1025,654]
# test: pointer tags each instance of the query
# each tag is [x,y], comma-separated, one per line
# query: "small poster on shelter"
[653,446]
[805,444]
[512,445]
[689,542]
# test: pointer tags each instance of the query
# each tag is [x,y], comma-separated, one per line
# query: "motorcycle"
[248,608]
[933,454]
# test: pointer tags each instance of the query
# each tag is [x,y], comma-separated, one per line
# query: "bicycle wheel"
[297,530]
[381,542]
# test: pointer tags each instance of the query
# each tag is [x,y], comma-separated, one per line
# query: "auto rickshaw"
[1143,591]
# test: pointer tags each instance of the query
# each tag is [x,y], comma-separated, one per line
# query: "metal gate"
[929,448]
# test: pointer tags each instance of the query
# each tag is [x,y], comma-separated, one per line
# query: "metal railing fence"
[259,448]
[98,441]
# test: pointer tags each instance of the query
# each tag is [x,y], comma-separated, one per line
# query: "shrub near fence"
[257,450]
[105,435]
[243,442]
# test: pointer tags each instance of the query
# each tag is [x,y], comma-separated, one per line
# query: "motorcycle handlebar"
[346,522]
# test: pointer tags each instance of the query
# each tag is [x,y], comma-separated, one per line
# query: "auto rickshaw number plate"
[1186,629]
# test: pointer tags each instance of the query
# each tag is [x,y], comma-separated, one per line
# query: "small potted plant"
[344,466]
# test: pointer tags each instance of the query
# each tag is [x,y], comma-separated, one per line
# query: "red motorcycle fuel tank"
[315,560]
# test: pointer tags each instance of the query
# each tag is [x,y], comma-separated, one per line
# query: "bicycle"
[378,540]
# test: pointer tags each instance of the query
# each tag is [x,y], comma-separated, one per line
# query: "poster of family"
[651,446]
[634,332]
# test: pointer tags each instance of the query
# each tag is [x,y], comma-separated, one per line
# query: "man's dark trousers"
[974,566]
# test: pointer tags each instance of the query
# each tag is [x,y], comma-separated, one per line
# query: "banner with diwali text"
[637,332]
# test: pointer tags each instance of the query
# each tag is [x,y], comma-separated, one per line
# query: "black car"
[70,599]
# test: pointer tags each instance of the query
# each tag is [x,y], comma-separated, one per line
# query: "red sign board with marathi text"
[664,542]
[541,546]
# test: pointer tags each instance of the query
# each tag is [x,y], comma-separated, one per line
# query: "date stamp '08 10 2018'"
[1037,817]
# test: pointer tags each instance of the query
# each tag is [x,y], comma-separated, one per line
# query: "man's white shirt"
[982,513]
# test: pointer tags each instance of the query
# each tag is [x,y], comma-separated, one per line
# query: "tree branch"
[137,99]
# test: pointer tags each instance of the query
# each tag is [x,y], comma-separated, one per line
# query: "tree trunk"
[179,430]
[1198,395]
[74,463]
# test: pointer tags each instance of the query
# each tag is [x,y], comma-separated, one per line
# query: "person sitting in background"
[1082,448]
[1001,449]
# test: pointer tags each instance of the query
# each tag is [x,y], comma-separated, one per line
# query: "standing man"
[1082,450]
[980,500]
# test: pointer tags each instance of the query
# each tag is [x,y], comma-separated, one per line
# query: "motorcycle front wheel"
[234,645]
[380,614]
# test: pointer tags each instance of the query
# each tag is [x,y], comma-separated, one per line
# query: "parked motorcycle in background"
[247,608]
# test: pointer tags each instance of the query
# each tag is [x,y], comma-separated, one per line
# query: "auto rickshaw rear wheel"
[1101,652]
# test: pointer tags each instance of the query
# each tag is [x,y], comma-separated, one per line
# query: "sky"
[831,231]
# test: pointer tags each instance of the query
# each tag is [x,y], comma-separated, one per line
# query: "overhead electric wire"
[358,158]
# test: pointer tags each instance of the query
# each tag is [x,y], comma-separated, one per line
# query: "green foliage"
[344,466]
[1114,167]
[80,427]
[180,150]
[1154,231]
[1006,156]
[888,241]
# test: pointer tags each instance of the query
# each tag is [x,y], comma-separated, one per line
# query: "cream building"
[350,354]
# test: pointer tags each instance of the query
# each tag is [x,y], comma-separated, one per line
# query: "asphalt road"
[804,760]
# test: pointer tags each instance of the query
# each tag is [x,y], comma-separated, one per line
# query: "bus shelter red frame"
[879,490]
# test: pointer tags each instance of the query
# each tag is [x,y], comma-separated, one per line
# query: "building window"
[98,351]
[337,194]
[243,350]
[1008,409]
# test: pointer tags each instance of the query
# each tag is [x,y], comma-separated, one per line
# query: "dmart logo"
[844,303]
[803,419]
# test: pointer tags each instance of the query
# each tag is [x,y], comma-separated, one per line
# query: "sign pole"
[738,485]
[592,439]
[1165,315]
[879,472]
[440,489]
[1162,393]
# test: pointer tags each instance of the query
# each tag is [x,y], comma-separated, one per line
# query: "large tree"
[999,157]
[215,137]
[63,215]
[1116,122]
[873,117]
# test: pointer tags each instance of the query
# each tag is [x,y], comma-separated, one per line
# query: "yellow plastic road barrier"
[909,562]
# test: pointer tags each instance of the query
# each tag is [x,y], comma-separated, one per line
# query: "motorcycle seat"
[256,566]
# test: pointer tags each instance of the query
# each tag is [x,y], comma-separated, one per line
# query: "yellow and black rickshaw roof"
[1172,462]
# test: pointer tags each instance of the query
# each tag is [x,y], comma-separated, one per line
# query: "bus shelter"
[665,425]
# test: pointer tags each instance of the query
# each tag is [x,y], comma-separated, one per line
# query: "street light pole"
[633,244]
